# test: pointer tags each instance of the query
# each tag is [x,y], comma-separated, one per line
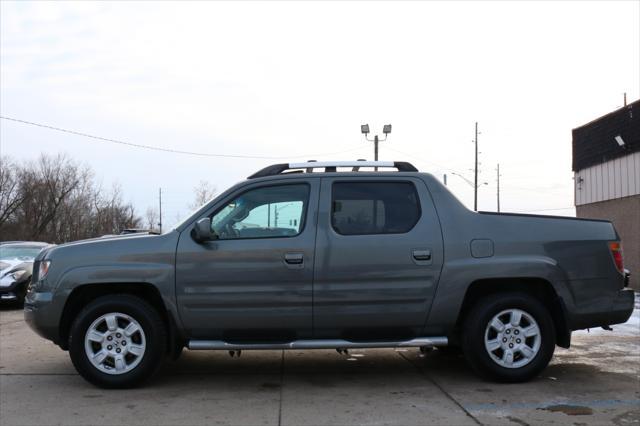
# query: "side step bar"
[318,344]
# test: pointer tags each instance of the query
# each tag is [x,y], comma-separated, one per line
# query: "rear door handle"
[421,255]
[294,258]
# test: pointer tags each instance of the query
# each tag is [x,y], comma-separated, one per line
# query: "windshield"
[26,253]
[188,217]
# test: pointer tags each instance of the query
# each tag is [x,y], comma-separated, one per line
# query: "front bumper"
[39,316]
[8,296]
[13,292]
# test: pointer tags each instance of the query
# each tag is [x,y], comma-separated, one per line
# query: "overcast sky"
[296,80]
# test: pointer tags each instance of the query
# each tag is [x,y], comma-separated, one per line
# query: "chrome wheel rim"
[115,343]
[512,338]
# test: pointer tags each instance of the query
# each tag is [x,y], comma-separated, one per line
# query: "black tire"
[176,353]
[155,336]
[475,326]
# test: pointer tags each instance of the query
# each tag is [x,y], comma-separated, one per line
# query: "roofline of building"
[628,106]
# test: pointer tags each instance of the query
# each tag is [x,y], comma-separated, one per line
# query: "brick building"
[606,166]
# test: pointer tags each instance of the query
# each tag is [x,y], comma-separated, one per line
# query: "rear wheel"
[509,337]
[117,341]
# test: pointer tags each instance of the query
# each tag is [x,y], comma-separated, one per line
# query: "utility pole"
[160,203]
[475,187]
[498,192]
[275,214]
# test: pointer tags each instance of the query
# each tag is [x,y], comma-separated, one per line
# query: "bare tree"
[55,199]
[152,217]
[202,192]
[46,186]
[11,198]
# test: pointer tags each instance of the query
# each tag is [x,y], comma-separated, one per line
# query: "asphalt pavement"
[597,381]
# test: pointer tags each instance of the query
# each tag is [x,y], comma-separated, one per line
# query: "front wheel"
[509,337]
[117,341]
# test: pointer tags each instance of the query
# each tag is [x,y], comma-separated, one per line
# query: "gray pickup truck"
[327,255]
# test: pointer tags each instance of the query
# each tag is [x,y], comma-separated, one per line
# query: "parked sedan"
[16,267]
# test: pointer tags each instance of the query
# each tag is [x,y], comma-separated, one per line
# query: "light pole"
[475,187]
[498,190]
[365,131]
[277,212]
[160,205]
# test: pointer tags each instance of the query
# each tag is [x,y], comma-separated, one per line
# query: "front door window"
[266,212]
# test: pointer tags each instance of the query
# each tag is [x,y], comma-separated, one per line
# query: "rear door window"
[363,208]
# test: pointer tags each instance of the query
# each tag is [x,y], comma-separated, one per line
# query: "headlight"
[10,278]
[16,275]
[43,269]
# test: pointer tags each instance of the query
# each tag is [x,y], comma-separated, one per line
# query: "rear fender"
[458,275]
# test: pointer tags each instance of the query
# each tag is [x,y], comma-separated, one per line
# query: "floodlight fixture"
[364,128]
[619,140]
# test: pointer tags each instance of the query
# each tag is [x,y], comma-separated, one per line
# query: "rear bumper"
[620,311]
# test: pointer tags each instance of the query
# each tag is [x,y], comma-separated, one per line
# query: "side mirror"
[202,231]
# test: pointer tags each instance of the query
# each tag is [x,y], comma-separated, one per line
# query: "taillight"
[616,252]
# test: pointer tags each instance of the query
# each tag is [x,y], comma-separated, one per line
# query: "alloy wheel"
[512,338]
[115,343]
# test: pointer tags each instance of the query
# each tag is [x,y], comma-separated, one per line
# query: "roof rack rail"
[331,166]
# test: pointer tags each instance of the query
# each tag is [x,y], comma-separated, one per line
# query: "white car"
[16,266]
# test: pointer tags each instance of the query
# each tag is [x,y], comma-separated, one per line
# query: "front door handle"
[294,258]
[421,255]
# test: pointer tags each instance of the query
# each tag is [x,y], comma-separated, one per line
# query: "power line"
[170,150]
[503,188]
[543,210]
[553,190]
[440,166]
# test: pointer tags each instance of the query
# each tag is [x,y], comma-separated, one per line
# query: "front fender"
[159,275]
[51,313]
